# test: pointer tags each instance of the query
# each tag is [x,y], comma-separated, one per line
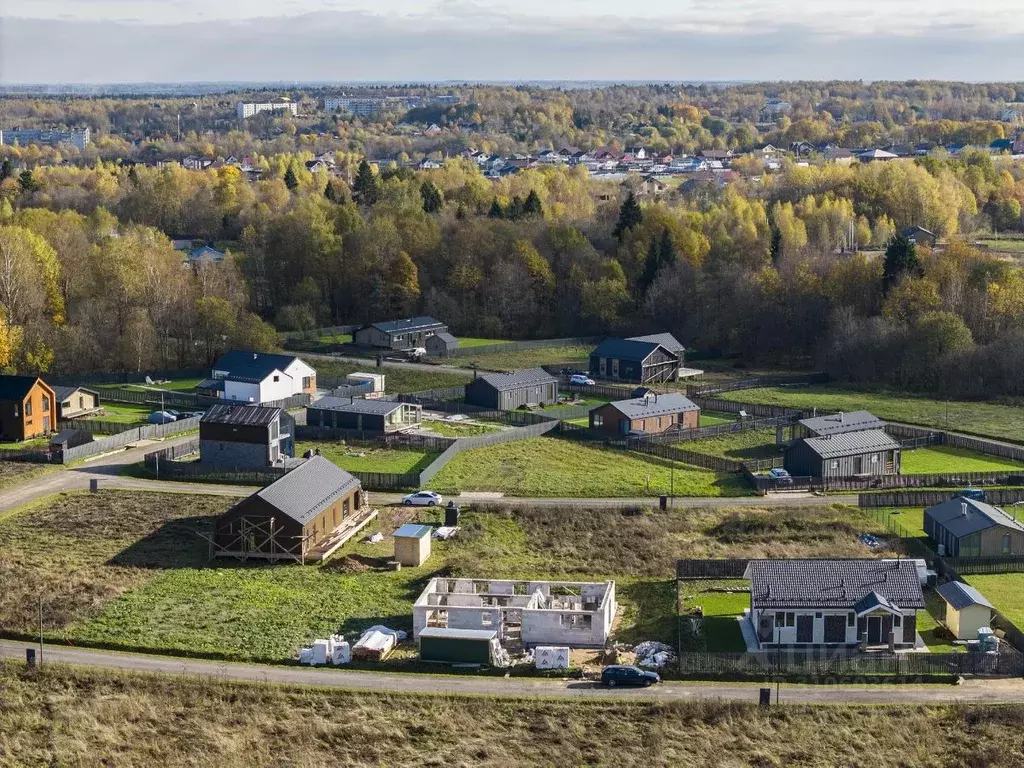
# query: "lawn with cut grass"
[174,385]
[84,717]
[396,380]
[357,457]
[939,459]
[936,637]
[469,341]
[546,466]
[716,629]
[713,418]
[989,419]
[126,413]
[568,356]
[748,445]
[1004,590]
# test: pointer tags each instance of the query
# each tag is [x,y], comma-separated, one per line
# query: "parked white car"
[581,381]
[422,499]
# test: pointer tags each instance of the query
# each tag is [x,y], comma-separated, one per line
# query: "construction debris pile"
[653,654]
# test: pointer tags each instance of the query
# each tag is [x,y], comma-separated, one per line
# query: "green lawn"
[35,442]
[938,640]
[742,446]
[368,458]
[990,419]
[719,630]
[1005,591]
[397,380]
[174,385]
[1006,246]
[711,418]
[335,338]
[545,466]
[459,428]
[128,413]
[946,458]
[589,402]
[570,356]
[469,341]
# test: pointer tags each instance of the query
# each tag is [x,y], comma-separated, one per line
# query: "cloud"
[471,41]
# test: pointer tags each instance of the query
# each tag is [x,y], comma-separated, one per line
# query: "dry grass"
[16,472]
[85,718]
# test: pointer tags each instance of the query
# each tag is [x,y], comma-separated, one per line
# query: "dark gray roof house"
[839,423]
[632,360]
[960,595]
[309,488]
[508,391]
[245,437]
[366,415]
[441,344]
[666,340]
[657,405]
[409,333]
[843,455]
[964,527]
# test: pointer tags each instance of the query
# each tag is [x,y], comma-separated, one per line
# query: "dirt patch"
[356,564]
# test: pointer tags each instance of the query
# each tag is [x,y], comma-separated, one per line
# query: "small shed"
[967,610]
[70,438]
[412,544]
[457,646]
[441,344]
[76,402]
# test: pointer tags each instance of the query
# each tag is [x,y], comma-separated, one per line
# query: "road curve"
[974,691]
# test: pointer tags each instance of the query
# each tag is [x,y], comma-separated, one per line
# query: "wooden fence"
[754,410]
[429,396]
[756,382]
[127,377]
[716,430]
[480,441]
[113,442]
[651,448]
[101,427]
[921,499]
[31,455]
[976,565]
[711,569]
[428,443]
[157,398]
[945,480]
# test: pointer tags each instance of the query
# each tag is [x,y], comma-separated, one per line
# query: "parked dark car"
[623,675]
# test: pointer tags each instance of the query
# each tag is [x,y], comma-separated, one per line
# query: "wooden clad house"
[76,402]
[28,408]
[508,391]
[245,437]
[409,333]
[632,360]
[963,527]
[304,515]
[848,454]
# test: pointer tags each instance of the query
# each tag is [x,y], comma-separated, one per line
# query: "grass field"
[571,356]
[397,380]
[23,445]
[947,458]
[174,385]
[368,458]
[1005,591]
[589,402]
[469,341]
[65,716]
[459,428]
[716,630]
[711,418]
[742,446]
[127,413]
[989,419]
[546,466]
[1005,246]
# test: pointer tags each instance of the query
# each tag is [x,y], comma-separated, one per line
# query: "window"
[81,402]
[276,378]
[817,615]
[874,459]
[598,420]
[1006,544]
[790,619]
[896,619]
[835,465]
[486,619]
[851,619]
[780,619]
[615,368]
[46,404]
[659,422]
[28,408]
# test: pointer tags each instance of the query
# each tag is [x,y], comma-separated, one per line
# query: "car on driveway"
[625,675]
[581,381]
[422,499]
[780,476]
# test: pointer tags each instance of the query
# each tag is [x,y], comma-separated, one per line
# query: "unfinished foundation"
[526,613]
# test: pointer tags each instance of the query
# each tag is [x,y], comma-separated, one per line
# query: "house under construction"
[527,613]
[305,515]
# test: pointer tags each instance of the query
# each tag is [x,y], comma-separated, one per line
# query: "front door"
[874,630]
[805,629]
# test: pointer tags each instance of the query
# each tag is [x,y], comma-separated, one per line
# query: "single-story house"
[650,414]
[76,402]
[967,610]
[205,254]
[410,333]
[834,602]
[441,344]
[921,236]
[367,415]
[963,527]
[837,424]
[245,437]
[27,408]
[300,516]
[508,391]
[640,362]
[848,454]
[258,377]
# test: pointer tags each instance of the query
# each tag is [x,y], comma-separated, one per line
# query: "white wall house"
[276,385]
[259,377]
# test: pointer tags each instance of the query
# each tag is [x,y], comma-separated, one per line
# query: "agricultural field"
[356,457]
[138,575]
[545,466]
[569,357]
[397,380]
[940,459]
[748,445]
[91,717]
[988,419]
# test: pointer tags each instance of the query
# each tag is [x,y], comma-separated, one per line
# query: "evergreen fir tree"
[6,171]
[630,216]
[366,188]
[667,255]
[900,259]
[776,245]
[532,205]
[433,200]
[515,208]
[290,179]
[27,182]
[496,212]
[329,193]
[651,265]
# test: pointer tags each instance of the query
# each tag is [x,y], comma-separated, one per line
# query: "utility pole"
[40,630]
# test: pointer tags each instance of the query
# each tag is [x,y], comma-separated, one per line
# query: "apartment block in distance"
[246,109]
[76,137]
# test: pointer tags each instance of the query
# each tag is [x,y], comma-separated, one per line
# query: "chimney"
[963,508]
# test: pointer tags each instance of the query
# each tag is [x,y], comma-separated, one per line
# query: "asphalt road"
[972,691]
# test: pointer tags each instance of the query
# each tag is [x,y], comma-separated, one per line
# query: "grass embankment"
[990,419]
[396,380]
[356,457]
[947,458]
[64,716]
[569,357]
[551,467]
[131,570]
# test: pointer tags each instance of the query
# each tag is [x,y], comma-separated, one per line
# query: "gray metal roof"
[423,322]
[355,405]
[838,423]
[851,444]
[626,349]
[304,492]
[504,382]
[653,405]
[832,583]
[412,531]
[240,415]
[871,601]
[667,340]
[960,595]
[63,393]
[962,517]
[446,337]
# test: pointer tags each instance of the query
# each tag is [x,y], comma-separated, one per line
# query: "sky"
[107,41]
